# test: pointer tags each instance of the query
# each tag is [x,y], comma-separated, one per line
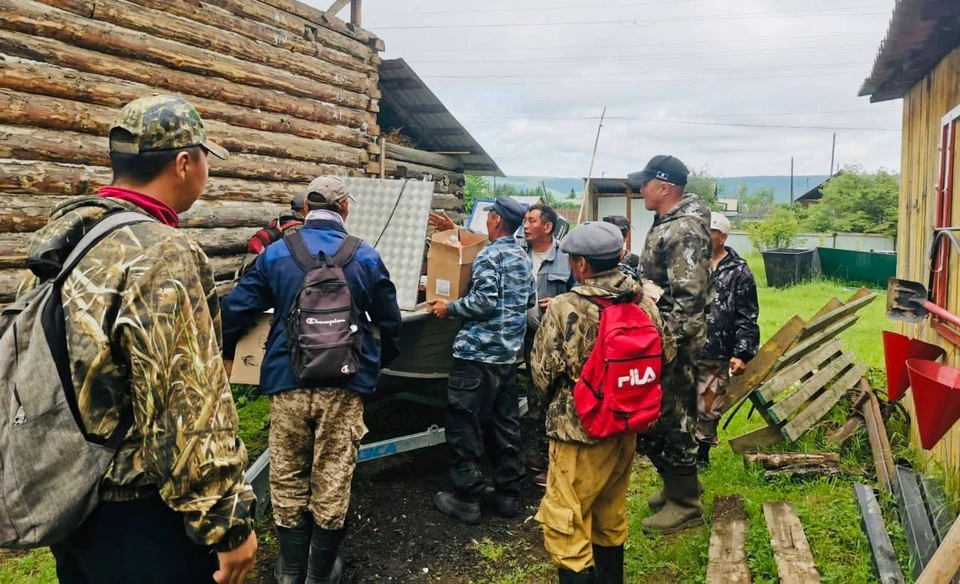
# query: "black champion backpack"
[323,333]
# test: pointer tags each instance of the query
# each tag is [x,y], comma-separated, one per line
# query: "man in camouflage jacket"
[733,336]
[143,332]
[676,257]
[584,509]
[483,414]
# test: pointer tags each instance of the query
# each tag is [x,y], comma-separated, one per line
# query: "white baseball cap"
[719,223]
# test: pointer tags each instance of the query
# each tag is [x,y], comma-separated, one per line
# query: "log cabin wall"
[290,92]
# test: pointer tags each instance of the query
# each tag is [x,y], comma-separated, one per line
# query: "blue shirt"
[494,310]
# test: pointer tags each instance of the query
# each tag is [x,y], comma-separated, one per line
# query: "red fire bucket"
[936,397]
[896,350]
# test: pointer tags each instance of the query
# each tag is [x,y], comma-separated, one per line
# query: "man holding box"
[482,398]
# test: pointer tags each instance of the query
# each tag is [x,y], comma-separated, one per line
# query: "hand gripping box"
[450,263]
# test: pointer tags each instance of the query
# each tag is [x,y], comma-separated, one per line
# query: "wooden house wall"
[289,92]
[923,108]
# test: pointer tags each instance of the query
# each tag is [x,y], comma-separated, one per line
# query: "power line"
[622,46]
[643,74]
[633,23]
[720,124]
[648,56]
[712,115]
[551,8]
[624,79]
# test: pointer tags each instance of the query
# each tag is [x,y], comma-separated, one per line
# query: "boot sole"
[466,519]
[689,524]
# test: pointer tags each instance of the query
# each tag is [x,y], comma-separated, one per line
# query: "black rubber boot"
[587,576]
[324,566]
[462,511]
[506,505]
[294,550]
[703,454]
[609,564]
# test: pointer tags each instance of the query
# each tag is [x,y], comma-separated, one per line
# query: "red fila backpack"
[618,391]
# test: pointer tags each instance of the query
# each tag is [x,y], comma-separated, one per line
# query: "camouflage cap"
[327,189]
[161,122]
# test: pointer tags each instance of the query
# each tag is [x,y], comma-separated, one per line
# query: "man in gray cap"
[676,257]
[288,222]
[584,509]
[483,414]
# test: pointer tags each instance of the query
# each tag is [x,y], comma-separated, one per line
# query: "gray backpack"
[323,333]
[50,470]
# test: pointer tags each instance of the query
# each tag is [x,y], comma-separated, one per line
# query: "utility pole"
[791,181]
[833,153]
[586,188]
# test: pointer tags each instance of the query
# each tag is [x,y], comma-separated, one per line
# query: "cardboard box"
[449,265]
[250,352]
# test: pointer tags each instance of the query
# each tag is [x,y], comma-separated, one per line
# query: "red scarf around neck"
[159,210]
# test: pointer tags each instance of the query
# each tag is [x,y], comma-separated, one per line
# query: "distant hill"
[780,184]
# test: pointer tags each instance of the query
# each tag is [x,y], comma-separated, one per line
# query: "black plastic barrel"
[789,266]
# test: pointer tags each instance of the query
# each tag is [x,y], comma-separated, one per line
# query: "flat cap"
[511,211]
[594,239]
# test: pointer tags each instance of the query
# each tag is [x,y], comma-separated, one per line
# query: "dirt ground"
[396,535]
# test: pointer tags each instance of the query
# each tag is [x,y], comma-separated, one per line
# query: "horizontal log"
[215,242]
[779,460]
[317,16]
[57,179]
[53,113]
[260,12]
[163,25]
[396,169]
[447,202]
[429,159]
[22,143]
[9,283]
[57,82]
[86,61]
[225,267]
[224,20]
[30,17]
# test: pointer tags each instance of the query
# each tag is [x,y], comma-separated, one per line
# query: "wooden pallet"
[799,374]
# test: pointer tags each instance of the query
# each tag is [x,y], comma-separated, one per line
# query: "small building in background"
[815,194]
[612,196]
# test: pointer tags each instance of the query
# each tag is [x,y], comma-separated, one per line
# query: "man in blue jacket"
[315,432]
[483,414]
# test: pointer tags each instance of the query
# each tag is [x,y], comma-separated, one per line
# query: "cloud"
[524,91]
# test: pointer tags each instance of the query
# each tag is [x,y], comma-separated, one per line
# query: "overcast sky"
[676,76]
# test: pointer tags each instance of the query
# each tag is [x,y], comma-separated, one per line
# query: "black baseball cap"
[662,167]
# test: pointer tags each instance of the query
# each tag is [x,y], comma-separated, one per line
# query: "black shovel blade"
[905,300]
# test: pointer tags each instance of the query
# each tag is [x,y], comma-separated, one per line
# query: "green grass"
[35,566]
[826,507]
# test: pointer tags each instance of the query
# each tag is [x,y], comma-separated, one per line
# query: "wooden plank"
[782,409]
[814,412]
[763,364]
[879,443]
[764,437]
[945,563]
[938,509]
[791,550]
[794,373]
[862,292]
[728,539]
[881,548]
[336,7]
[833,304]
[921,542]
[777,460]
[810,343]
[823,322]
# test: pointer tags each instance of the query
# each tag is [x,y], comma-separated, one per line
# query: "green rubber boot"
[656,501]
[682,509]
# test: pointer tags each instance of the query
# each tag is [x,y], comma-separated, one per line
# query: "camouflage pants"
[711,398]
[314,438]
[671,444]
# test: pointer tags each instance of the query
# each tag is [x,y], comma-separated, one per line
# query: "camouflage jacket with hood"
[143,331]
[564,342]
[676,257]
[732,329]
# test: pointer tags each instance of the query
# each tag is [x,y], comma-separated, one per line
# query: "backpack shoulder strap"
[300,252]
[98,232]
[347,250]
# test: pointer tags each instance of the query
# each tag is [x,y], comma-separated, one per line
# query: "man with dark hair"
[584,509]
[733,336]
[676,258]
[315,432]
[629,261]
[287,223]
[552,272]
[143,335]
[483,413]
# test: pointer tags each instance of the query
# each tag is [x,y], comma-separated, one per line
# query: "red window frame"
[940,280]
